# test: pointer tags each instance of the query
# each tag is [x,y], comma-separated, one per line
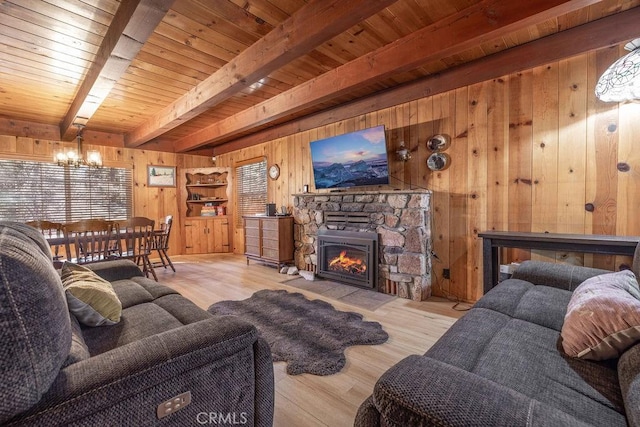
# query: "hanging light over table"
[72,157]
[621,81]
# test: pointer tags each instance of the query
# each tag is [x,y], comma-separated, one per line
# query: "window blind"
[44,191]
[251,189]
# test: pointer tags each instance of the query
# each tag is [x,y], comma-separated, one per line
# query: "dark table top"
[599,239]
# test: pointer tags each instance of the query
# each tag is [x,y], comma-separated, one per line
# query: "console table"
[595,244]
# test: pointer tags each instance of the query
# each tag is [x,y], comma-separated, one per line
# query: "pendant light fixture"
[72,157]
[621,81]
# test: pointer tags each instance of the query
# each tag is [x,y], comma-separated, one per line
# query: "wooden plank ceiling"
[197,75]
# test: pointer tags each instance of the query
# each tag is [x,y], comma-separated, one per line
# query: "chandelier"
[71,157]
[621,81]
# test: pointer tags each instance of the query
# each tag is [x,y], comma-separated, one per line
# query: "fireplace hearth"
[348,257]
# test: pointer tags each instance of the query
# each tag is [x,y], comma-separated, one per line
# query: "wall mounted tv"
[351,160]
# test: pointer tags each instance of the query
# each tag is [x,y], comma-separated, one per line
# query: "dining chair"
[136,237]
[89,240]
[161,243]
[50,230]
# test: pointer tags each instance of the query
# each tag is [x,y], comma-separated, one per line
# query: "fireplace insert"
[349,257]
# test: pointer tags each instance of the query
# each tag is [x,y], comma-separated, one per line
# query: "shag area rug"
[310,335]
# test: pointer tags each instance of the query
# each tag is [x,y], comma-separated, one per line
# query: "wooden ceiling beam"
[312,25]
[606,32]
[133,23]
[28,129]
[453,35]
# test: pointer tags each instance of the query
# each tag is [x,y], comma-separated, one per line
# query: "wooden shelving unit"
[207,190]
[206,209]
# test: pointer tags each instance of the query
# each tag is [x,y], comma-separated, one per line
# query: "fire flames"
[345,264]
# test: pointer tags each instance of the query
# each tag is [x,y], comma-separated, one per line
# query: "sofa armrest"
[214,359]
[115,270]
[421,391]
[562,276]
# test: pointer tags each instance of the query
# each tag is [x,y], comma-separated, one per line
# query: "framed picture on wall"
[161,176]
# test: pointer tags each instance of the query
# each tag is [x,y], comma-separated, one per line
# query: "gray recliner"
[53,371]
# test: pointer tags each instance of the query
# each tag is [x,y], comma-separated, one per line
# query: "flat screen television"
[351,160]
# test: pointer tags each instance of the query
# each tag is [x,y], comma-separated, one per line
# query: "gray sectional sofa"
[503,364]
[164,356]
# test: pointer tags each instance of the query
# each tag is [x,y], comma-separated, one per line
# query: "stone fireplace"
[399,219]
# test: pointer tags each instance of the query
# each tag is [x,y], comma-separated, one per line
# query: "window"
[251,188]
[45,191]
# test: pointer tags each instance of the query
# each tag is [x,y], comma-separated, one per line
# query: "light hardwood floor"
[310,400]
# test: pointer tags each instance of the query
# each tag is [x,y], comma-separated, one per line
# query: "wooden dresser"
[269,239]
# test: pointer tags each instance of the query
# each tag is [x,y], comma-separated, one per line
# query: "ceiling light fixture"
[70,157]
[621,81]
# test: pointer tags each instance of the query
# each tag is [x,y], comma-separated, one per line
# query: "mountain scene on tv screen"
[351,160]
[351,175]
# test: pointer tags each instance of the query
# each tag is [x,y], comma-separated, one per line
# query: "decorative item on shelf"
[70,157]
[438,143]
[403,153]
[209,209]
[438,161]
[621,81]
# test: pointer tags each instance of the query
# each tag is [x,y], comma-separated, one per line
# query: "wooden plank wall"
[532,151]
[151,202]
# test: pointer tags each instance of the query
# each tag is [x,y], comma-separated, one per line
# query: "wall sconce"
[403,153]
[621,81]
[438,160]
[214,159]
[438,143]
[72,157]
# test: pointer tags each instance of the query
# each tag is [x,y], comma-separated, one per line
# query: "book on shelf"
[210,209]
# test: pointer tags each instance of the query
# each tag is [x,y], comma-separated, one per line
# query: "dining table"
[116,241]
[61,240]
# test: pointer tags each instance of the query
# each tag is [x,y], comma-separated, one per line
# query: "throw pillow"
[603,317]
[90,298]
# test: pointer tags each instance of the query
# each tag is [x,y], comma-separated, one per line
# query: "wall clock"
[274,172]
